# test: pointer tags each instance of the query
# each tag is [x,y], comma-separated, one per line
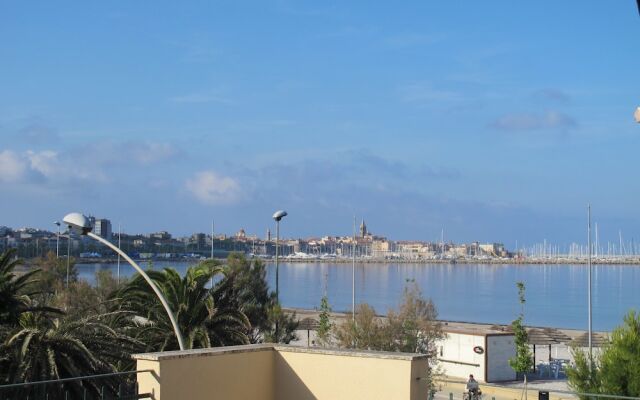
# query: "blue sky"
[495,121]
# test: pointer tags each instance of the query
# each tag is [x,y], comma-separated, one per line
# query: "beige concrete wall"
[241,375]
[303,376]
[265,372]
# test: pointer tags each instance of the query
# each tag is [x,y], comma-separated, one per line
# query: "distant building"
[162,235]
[493,249]
[380,248]
[363,229]
[200,240]
[102,228]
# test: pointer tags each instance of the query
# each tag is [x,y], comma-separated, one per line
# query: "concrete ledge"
[387,355]
[213,351]
[216,351]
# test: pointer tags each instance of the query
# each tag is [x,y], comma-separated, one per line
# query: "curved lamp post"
[80,224]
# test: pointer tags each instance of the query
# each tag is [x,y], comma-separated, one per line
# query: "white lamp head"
[77,223]
[637,115]
[278,215]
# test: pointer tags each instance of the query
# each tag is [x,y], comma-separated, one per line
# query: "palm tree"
[45,348]
[206,316]
[16,291]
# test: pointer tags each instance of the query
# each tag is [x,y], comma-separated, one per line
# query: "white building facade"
[482,352]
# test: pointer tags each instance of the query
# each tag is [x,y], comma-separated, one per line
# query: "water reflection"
[556,294]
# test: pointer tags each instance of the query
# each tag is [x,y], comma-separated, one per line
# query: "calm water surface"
[556,294]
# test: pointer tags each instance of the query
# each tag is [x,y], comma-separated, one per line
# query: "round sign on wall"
[478,349]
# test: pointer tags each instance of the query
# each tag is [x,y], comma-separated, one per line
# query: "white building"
[483,352]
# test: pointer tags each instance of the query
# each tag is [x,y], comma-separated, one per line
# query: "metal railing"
[112,386]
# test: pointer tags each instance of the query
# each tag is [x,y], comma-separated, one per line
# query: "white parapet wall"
[270,372]
[484,353]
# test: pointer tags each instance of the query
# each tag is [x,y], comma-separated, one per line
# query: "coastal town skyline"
[362,242]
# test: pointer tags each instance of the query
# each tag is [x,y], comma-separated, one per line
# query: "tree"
[45,347]
[366,332]
[14,289]
[617,370]
[54,270]
[324,326]
[286,324]
[251,292]
[17,291]
[412,328]
[246,282]
[206,316]
[523,361]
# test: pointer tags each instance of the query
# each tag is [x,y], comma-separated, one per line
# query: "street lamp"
[80,224]
[277,216]
[57,239]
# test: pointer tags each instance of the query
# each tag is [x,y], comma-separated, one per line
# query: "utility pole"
[353,273]
[68,255]
[589,291]
[119,247]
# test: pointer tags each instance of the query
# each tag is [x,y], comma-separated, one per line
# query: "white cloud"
[45,162]
[45,167]
[210,188]
[12,166]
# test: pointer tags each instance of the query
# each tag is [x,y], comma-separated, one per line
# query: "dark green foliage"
[247,280]
[523,361]
[54,271]
[617,370]
[286,324]
[251,293]
[206,317]
[324,326]
[15,290]
[44,347]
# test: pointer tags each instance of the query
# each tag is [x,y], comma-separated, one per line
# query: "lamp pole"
[277,266]
[80,223]
[68,255]
[58,240]
[119,247]
[353,273]
[589,290]
[277,216]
